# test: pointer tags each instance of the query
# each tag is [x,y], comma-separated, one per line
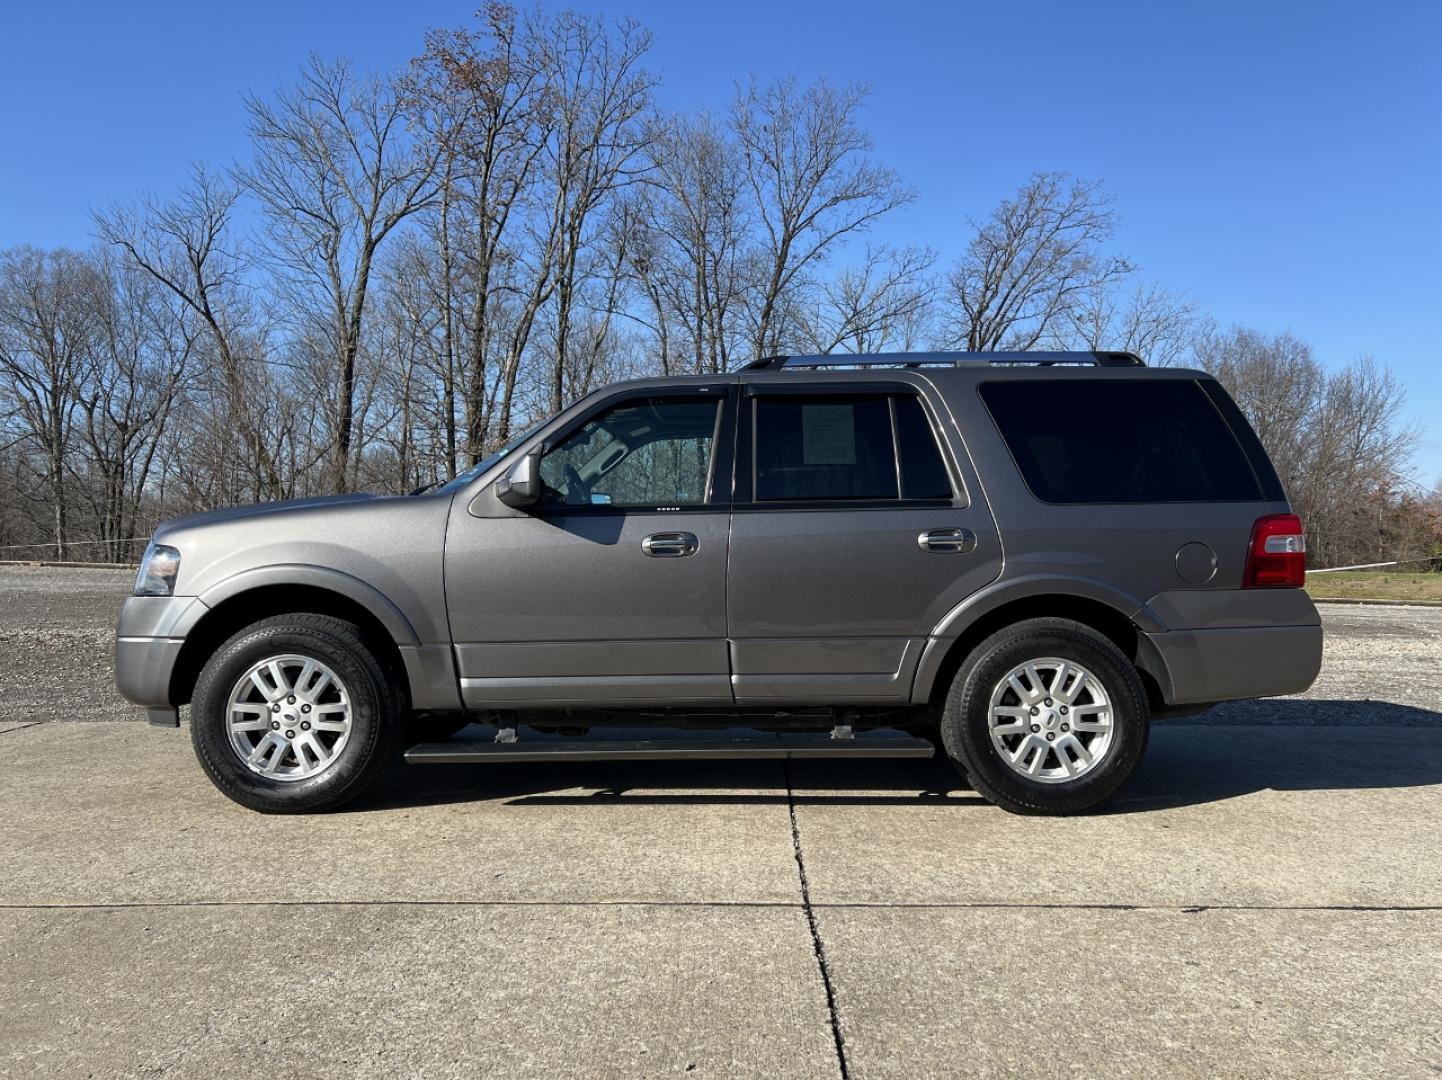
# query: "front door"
[612,591]
[852,537]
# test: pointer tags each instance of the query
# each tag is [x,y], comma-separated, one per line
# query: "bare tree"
[598,92]
[1360,449]
[1336,438]
[594,352]
[47,328]
[878,305]
[335,172]
[1152,321]
[127,388]
[481,97]
[808,167]
[1277,382]
[1032,264]
[412,377]
[185,243]
[689,238]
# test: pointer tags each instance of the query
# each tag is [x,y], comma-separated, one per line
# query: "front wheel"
[1046,717]
[296,713]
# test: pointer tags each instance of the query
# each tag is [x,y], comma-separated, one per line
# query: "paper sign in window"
[828,435]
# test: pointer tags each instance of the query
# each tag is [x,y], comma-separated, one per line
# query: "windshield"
[462,479]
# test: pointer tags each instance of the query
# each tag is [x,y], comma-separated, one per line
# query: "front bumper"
[143,667]
[148,640]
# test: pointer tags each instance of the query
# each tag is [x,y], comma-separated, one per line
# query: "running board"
[788,748]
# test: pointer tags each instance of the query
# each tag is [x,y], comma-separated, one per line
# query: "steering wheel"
[578,492]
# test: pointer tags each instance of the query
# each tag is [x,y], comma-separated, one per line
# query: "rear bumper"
[1224,644]
[1236,662]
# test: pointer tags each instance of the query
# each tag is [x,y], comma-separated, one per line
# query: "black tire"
[965,728]
[377,702]
[437,727]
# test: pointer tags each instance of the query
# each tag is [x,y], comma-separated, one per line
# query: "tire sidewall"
[966,722]
[209,721]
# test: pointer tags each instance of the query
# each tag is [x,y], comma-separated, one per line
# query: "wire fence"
[77,543]
[122,551]
[1434,560]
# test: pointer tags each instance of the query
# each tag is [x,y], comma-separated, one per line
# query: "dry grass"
[1375,585]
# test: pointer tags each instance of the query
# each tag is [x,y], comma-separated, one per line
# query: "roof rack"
[944,359]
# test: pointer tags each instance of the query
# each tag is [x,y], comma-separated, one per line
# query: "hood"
[258,510]
[351,544]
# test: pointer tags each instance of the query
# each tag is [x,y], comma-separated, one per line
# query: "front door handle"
[670,545]
[942,541]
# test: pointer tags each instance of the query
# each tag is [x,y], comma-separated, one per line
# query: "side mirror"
[521,486]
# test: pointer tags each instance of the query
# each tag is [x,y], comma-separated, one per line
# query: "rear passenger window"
[824,448]
[811,448]
[923,475]
[1120,441]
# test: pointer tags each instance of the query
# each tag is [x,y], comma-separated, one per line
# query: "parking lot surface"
[1264,900]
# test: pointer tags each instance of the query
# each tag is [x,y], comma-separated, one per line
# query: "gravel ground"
[38,598]
[1379,666]
[57,631]
[56,628]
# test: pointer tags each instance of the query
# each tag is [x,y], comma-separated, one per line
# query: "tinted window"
[1262,467]
[828,447]
[643,452]
[923,474]
[1120,441]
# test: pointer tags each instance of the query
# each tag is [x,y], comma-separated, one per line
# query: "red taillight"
[1277,556]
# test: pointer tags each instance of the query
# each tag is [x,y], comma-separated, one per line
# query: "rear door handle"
[942,541]
[670,545]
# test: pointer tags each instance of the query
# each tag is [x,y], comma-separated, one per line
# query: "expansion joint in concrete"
[818,948]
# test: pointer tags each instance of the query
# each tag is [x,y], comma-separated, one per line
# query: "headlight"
[157,571]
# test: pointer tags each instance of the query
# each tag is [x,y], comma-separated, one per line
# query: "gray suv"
[1017,559]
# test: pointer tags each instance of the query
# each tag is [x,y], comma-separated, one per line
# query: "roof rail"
[944,359]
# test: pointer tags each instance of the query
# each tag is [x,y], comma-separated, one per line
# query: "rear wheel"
[1046,717]
[296,713]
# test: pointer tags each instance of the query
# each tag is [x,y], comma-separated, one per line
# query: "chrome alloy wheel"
[288,717]
[1050,720]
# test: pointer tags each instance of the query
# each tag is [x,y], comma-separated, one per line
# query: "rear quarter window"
[1120,441]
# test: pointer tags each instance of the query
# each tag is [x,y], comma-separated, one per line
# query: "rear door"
[852,535]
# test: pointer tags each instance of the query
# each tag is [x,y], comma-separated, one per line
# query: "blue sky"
[1281,163]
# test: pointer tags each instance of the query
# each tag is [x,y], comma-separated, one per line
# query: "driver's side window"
[644,452]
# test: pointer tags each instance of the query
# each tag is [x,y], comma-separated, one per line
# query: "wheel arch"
[1110,614]
[249,597]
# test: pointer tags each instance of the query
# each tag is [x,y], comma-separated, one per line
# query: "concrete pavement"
[1264,902]
[1156,993]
